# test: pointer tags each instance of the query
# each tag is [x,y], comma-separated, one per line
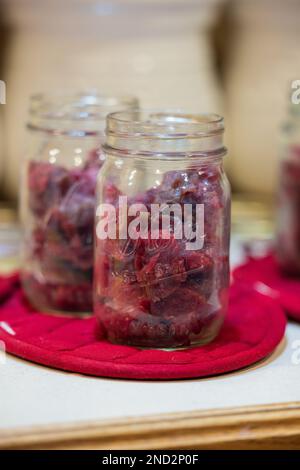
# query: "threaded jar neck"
[170,134]
[76,114]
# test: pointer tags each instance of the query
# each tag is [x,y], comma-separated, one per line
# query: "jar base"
[210,335]
[42,296]
[60,313]
[56,312]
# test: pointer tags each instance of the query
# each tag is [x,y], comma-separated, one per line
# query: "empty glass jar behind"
[162,230]
[58,197]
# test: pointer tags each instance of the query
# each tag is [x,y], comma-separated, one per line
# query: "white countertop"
[34,395]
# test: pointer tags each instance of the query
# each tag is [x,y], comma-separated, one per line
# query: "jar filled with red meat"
[58,197]
[162,230]
[288,211]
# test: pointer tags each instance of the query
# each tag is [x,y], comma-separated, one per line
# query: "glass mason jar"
[58,197]
[162,230]
[288,200]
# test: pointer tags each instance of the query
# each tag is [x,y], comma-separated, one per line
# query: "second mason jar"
[162,230]
[58,197]
[288,198]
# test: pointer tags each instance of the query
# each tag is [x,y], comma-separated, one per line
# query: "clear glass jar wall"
[58,197]
[288,212]
[163,290]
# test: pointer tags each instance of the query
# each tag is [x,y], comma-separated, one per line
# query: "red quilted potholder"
[264,275]
[253,328]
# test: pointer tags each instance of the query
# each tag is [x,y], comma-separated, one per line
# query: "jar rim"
[165,133]
[78,104]
[164,124]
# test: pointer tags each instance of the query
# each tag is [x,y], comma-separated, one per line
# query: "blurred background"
[233,57]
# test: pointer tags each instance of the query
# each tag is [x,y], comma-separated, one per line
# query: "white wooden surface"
[33,395]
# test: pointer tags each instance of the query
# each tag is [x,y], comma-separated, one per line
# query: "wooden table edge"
[275,426]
